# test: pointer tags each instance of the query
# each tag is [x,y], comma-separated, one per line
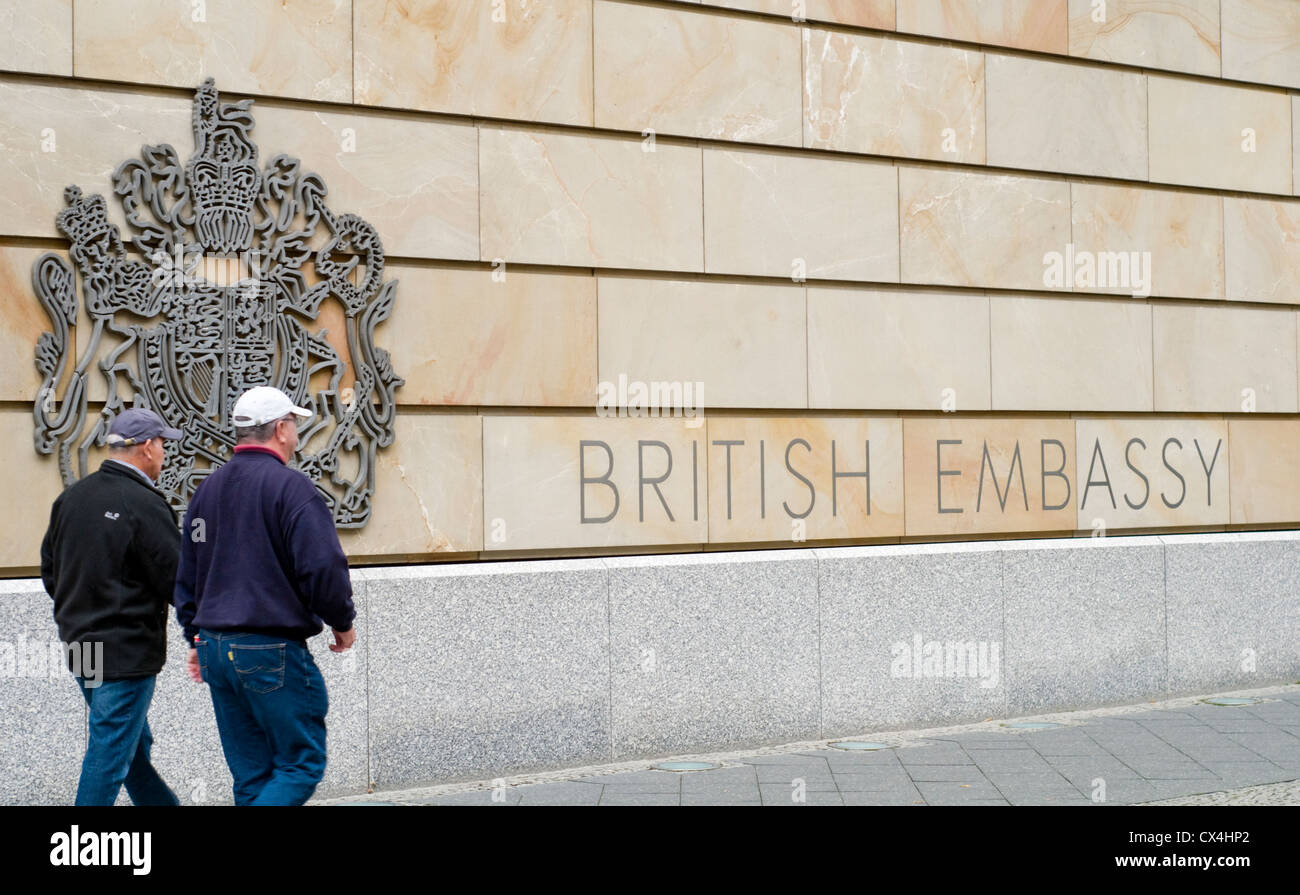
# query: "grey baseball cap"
[136,426]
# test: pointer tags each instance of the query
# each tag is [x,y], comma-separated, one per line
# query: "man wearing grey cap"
[109,560]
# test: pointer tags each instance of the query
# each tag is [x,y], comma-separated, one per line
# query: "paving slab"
[629,799]
[1140,754]
[778,796]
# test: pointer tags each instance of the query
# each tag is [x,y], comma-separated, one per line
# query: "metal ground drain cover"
[858,746]
[686,766]
[1033,725]
[1230,700]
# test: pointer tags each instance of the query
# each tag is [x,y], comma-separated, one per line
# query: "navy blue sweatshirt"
[259,553]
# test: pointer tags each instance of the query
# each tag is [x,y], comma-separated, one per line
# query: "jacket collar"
[114,467]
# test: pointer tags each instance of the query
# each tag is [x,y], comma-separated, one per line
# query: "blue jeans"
[270,702]
[117,751]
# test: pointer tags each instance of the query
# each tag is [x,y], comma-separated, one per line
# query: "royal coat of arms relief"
[235,275]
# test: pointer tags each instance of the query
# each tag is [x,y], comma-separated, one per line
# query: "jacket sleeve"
[47,551]
[320,566]
[159,542]
[183,594]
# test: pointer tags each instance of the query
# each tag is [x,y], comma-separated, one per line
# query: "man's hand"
[192,666]
[343,640]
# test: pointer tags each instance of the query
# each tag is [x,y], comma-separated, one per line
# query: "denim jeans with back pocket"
[270,702]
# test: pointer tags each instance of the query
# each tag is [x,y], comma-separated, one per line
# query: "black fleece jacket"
[109,562]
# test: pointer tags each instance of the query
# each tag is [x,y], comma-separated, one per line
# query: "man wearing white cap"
[261,566]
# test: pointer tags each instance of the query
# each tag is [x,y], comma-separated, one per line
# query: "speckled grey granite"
[44,717]
[713,649]
[487,668]
[187,748]
[875,604]
[472,671]
[1226,594]
[1084,622]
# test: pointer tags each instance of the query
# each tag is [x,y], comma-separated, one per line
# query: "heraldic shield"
[233,278]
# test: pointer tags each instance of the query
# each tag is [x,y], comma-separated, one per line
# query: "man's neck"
[127,463]
[261,449]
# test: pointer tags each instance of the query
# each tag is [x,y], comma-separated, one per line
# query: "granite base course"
[472,671]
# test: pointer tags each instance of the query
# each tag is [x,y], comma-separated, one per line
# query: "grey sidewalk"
[1125,755]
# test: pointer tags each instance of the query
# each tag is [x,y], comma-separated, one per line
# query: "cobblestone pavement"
[1182,751]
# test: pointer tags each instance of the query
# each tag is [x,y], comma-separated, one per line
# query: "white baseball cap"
[262,405]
